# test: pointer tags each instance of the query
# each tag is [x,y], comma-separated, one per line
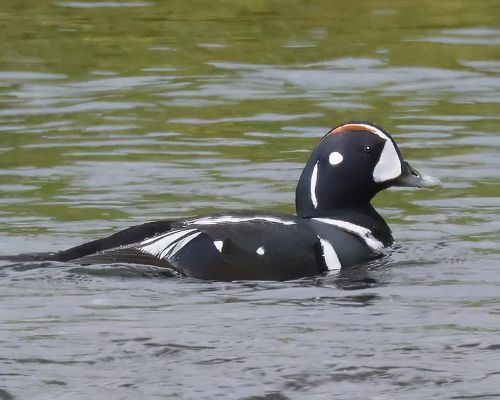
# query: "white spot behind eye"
[335,158]
[388,166]
[260,251]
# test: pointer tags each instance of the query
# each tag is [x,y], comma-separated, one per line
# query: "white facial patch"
[331,259]
[314,179]
[335,158]
[260,251]
[389,164]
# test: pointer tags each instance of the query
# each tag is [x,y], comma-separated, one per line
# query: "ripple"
[104,4]
[467,36]
[114,113]
[77,108]
[258,117]
[29,76]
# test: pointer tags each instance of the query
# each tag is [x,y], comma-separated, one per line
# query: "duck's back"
[241,247]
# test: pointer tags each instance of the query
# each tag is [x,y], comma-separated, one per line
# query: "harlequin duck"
[335,226]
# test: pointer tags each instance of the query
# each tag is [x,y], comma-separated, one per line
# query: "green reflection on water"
[180,82]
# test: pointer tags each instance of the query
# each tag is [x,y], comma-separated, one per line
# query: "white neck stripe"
[358,230]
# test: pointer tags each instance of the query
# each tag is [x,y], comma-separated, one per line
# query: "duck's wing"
[129,255]
[125,237]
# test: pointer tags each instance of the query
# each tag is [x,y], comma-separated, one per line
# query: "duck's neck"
[320,191]
[344,198]
[360,214]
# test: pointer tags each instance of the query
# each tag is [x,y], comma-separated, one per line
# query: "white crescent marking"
[218,245]
[330,256]
[314,178]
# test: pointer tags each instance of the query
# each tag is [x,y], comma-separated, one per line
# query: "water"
[115,113]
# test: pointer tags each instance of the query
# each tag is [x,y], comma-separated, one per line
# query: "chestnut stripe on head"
[358,127]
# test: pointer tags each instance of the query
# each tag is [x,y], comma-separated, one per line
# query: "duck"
[335,225]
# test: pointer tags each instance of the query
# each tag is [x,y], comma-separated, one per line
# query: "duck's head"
[350,165]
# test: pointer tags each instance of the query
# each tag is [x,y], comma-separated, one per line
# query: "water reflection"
[114,113]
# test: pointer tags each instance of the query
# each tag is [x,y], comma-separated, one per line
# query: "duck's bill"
[410,177]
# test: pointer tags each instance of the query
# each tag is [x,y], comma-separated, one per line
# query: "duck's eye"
[368,149]
[415,173]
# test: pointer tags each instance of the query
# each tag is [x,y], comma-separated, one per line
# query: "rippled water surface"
[116,113]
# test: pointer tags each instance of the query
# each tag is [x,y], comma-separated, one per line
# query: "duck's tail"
[125,237]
